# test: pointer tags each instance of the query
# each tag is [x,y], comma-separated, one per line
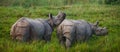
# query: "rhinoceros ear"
[50,16]
[50,21]
[96,23]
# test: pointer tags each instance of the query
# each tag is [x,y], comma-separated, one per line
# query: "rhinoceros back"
[37,29]
[68,29]
[83,29]
[47,30]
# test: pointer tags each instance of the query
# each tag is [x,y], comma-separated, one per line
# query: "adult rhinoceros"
[26,29]
[70,31]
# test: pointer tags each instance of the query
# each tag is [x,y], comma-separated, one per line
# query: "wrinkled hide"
[70,31]
[20,28]
[83,30]
[26,29]
[31,30]
[65,33]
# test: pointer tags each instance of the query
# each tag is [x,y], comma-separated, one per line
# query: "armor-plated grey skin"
[66,32]
[26,29]
[99,31]
[70,31]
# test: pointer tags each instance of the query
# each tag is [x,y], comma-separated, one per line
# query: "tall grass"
[34,3]
[108,15]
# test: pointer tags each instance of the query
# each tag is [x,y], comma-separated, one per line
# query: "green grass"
[108,15]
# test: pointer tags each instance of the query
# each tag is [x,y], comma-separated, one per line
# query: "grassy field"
[108,15]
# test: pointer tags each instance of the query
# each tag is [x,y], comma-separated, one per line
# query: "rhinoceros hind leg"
[67,43]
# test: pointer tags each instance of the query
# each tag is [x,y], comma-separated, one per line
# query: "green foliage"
[113,2]
[108,15]
[35,3]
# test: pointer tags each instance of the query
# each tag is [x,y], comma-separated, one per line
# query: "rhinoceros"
[26,29]
[70,31]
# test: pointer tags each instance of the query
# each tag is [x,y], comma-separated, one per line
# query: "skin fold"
[26,29]
[70,31]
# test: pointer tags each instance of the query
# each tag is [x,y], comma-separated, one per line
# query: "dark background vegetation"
[106,11]
[33,3]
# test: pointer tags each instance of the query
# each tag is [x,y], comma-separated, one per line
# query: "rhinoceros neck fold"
[52,27]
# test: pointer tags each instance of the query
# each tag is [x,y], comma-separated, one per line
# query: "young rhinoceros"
[26,29]
[70,31]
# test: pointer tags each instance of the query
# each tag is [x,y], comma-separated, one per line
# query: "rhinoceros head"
[99,30]
[56,20]
[21,28]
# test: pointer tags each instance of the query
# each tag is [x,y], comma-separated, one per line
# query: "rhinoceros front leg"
[47,36]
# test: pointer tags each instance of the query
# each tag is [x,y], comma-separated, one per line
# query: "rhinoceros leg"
[47,37]
[48,33]
[60,35]
[67,43]
[61,38]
